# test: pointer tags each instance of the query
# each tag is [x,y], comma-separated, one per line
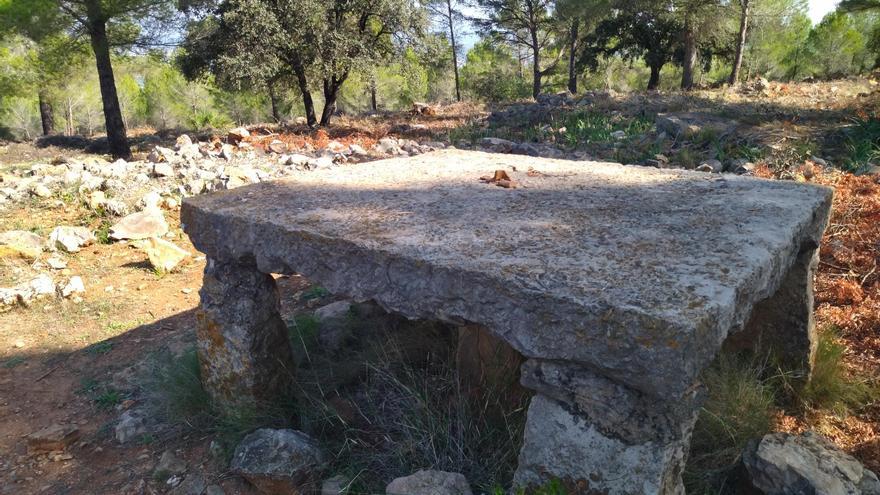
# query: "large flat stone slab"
[638,274]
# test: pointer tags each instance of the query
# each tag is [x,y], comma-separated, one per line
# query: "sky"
[818,9]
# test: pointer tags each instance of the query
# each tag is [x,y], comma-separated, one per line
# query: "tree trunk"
[331,91]
[273,99]
[308,104]
[536,65]
[47,117]
[654,81]
[740,42]
[690,56]
[454,49]
[116,138]
[572,57]
[374,106]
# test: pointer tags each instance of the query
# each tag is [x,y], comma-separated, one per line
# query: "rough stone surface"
[278,462]
[785,464]
[559,444]
[70,239]
[429,482]
[591,263]
[163,255]
[132,424]
[52,438]
[141,225]
[690,124]
[21,243]
[244,352]
[336,485]
[335,325]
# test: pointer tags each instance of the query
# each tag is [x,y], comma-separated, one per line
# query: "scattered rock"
[169,465]
[163,169]
[497,145]
[192,484]
[711,166]
[96,199]
[163,255]
[40,191]
[238,134]
[141,225]
[691,124]
[21,243]
[337,485]
[429,482]
[182,141]
[70,239]
[74,286]
[227,152]
[132,424]
[278,461]
[56,263]
[334,319]
[785,464]
[618,135]
[277,146]
[52,438]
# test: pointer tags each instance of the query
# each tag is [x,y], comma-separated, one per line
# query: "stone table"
[618,284]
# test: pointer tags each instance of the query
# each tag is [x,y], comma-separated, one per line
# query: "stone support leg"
[783,325]
[597,436]
[487,364]
[244,352]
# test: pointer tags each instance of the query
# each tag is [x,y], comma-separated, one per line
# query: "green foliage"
[492,73]
[835,47]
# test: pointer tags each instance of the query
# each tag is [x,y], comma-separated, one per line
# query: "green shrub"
[831,387]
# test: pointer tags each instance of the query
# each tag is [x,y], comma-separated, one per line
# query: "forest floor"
[79,361]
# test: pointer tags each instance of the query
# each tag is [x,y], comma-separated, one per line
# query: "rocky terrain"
[98,282]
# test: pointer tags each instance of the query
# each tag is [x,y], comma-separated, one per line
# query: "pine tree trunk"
[740,42]
[690,56]
[572,57]
[47,117]
[374,105]
[536,65]
[116,138]
[454,49]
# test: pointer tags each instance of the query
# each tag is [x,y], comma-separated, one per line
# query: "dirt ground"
[65,361]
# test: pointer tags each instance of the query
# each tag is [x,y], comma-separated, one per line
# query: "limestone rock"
[131,425]
[278,462]
[21,243]
[334,323]
[163,169]
[182,140]
[785,464]
[150,200]
[192,484]
[70,239]
[141,225]
[429,482]
[163,255]
[690,124]
[277,146]
[97,199]
[40,191]
[52,438]
[74,286]
[238,134]
[337,485]
[711,166]
[169,465]
[497,145]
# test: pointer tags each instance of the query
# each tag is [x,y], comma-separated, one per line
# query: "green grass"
[831,387]
[108,398]
[740,406]
[103,395]
[862,142]
[179,398]
[102,233]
